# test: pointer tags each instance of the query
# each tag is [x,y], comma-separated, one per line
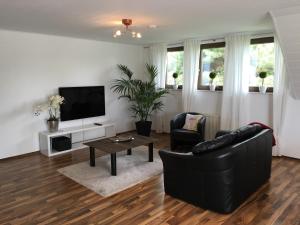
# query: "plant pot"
[212,87]
[53,125]
[175,85]
[262,89]
[143,128]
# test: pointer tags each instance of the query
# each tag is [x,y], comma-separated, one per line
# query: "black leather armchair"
[219,180]
[180,136]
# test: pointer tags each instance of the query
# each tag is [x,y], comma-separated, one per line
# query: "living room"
[215,66]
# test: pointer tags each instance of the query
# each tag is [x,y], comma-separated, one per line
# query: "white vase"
[212,87]
[262,89]
[175,85]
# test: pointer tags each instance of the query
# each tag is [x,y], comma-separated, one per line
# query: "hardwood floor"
[33,192]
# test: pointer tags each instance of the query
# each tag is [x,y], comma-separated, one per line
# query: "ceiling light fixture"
[127,23]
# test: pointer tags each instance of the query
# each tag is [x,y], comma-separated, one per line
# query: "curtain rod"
[219,39]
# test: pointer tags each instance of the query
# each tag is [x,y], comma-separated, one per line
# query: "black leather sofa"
[181,137]
[221,174]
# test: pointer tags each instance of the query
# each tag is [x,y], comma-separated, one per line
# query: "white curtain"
[191,72]
[234,111]
[158,58]
[280,93]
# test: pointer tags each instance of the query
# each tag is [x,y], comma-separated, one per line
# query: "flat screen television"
[82,102]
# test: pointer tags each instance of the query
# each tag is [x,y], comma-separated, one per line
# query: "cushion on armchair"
[191,122]
[219,142]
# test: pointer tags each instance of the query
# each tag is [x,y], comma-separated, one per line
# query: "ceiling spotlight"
[138,35]
[118,33]
[127,30]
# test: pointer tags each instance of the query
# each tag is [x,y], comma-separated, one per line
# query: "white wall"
[33,66]
[290,143]
[288,33]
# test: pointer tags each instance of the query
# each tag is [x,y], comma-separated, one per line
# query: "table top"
[108,146]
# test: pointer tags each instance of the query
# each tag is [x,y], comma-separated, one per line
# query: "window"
[174,65]
[211,60]
[262,59]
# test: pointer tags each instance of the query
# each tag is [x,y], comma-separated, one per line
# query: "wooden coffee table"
[110,147]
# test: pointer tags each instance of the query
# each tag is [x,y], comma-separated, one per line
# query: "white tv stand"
[78,135]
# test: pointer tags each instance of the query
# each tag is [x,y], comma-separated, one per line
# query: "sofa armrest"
[201,127]
[178,121]
[194,178]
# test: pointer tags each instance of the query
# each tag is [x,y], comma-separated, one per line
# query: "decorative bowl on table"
[118,139]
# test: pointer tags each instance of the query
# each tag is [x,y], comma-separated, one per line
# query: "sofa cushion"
[246,132]
[219,142]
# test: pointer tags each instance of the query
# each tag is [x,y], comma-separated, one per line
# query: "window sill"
[218,91]
[251,89]
[257,92]
[174,90]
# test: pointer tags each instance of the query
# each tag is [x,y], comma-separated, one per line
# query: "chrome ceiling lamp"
[127,23]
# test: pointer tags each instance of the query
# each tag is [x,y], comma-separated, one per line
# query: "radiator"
[212,125]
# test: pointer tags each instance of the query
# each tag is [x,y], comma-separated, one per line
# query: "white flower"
[56,101]
[52,106]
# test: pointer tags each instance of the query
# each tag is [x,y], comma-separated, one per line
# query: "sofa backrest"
[234,137]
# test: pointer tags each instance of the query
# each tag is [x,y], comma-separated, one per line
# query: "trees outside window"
[174,65]
[262,59]
[211,60]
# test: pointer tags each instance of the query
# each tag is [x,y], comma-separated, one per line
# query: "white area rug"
[131,170]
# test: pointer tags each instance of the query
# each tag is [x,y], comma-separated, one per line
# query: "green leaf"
[143,96]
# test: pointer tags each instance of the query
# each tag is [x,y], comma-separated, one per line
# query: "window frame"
[221,44]
[261,40]
[173,49]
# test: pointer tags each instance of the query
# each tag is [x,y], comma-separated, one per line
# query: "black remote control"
[98,124]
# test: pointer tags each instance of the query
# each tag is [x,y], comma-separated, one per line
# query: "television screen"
[82,102]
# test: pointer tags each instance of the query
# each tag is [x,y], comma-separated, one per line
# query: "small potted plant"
[212,76]
[52,106]
[262,75]
[175,85]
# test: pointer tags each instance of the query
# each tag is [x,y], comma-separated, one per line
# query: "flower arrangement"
[262,75]
[212,76]
[175,76]
[52,106]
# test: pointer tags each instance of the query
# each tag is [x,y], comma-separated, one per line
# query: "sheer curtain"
[191,71]
[279,96]
[234,111]
[158,58]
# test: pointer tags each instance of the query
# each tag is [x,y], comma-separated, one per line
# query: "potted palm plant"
[212,76]
[143,96]
[262,75]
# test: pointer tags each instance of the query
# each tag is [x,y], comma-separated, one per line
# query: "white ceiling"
[176,19]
